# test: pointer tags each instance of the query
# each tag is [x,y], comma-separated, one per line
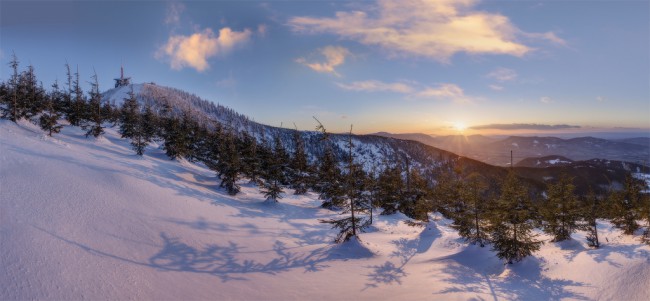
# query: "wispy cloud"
[262,29]
[377,86]
[334,56]
[496,87]
[426,28]
[412,90]
[174,10]
[442,91]
[503,74]
[523,126]
[194,50]
[228,82]
[546,100]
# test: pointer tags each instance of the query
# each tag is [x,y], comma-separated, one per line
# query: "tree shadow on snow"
[302,234]
[476,270]
[228,261]
[389,273]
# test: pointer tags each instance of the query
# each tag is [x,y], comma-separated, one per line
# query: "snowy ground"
[88,219]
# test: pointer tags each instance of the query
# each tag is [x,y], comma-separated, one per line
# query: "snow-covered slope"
[87,219]
[369,150]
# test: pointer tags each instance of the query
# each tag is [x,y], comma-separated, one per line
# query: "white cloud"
[600,99]
[496,87]
[442,91]
[439,91]
[377,86]
[548,36]
[427,28]
[546,99]
[194,50]
[334,56]
[503,74]
[174,10]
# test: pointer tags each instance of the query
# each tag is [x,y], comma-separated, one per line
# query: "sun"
[459,126]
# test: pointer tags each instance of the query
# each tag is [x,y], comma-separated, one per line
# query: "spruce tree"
[11,107]
[644,212]
[390,186]
[174,133]
[275,173]
[31,94]
[624,205]
[250,159]
[129,116]
[142,133]
[470,221]
[560,212]
[66,102]
[149,123]
[299,167]
[50,117]
[229,164]
[350,226]
[328,177]
[511,222]
[95,118]
[420,196]
[446,192]
[77,108]
[591,210]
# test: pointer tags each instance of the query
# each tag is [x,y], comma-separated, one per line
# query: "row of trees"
[507,216]
[484,211]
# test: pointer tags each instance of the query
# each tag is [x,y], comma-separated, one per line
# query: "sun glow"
[459,126]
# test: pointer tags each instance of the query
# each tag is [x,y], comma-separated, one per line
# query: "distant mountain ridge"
[497,152]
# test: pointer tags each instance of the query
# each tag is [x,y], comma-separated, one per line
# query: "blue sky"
[437,67]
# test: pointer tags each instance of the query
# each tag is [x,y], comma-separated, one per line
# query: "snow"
[88,219]
[118,95]
[557,161]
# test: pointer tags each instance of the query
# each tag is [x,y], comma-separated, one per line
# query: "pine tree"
[174,133]
[129,116]
[50,117]
[142,132]
[624,205]
[229,164]
[11,107]
[250,160]
[299,166]
[560,212]
[77,108]
[275,174]
[644,212]
[350,226]
[372,187]
[95,118]
[511,221]
[447,191]
[389,192]
[420,195]
[110,113]
[591,209]
[470,221]
[328,178]
[149,123]
[32,95]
